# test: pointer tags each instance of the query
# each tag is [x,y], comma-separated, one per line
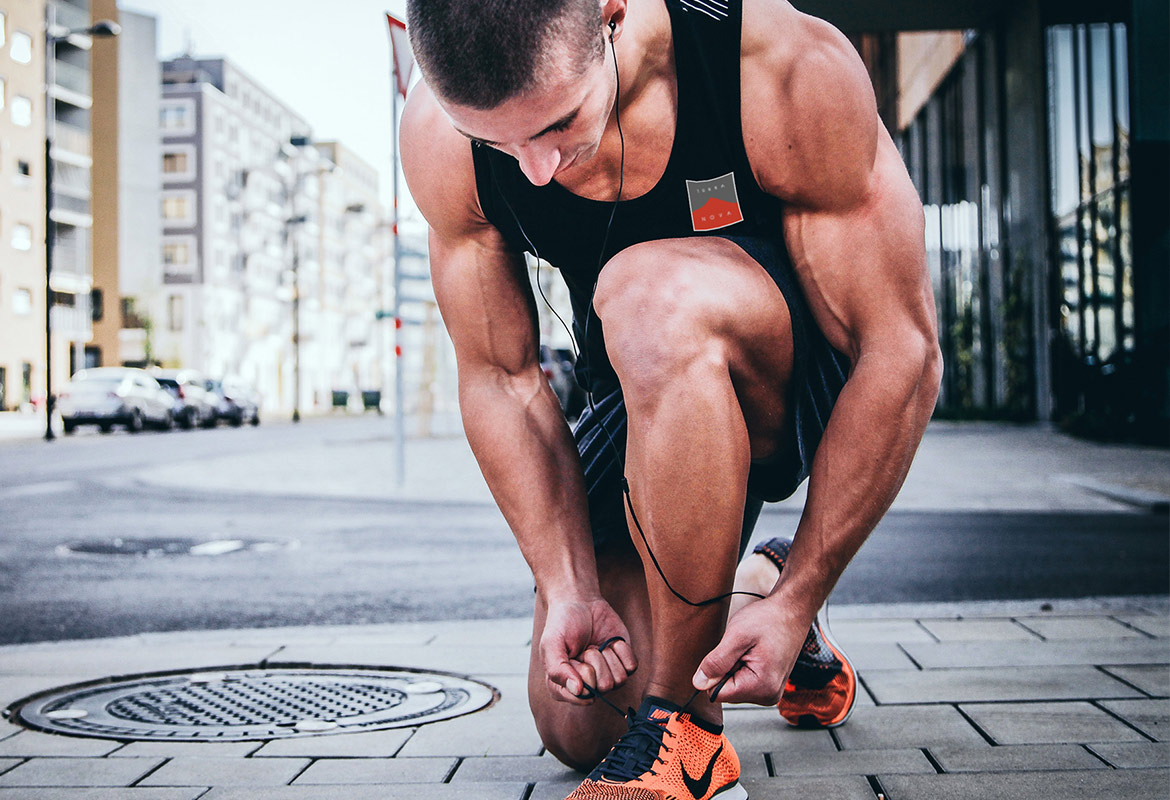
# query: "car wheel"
[135,423]
[255,418]
[168,422]
[105,427]
[69,427]
[187,420]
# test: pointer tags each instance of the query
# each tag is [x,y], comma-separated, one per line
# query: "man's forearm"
[526,452]
[863,458]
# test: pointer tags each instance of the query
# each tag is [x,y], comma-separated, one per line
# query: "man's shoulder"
[812,127]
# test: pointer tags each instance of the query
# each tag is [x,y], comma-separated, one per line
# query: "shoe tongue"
[657,709]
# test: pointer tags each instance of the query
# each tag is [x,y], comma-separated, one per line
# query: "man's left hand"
[758,649]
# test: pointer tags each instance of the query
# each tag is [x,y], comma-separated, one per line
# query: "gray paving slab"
[126,657]
[851,632]
[1049,723]
[513,768]
[1038,654]
[1016,758]
[1134,755]
[1153,679]
[853,762]
[192,771]
[383,771]
[482,662]
[755,730]
[975,684]
[798,788]
[1079,628]
[8,763]
[1152,717]
[176,749]
[873,655]
[554,790]
[405,791]
[505,729]
[79,772]
[978,630]
[886,727]
[375,744]
[33,743]
[42,793]
[1158,625]
[1128,784]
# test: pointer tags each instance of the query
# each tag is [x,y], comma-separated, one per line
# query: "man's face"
[555,126]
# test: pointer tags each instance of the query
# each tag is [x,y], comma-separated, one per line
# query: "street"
[92,546]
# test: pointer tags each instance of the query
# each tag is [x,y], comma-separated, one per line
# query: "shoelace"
[636,752]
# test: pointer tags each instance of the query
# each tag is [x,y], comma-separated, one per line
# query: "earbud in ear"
[612,28]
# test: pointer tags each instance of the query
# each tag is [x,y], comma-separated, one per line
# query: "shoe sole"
[733,792]
[827,635]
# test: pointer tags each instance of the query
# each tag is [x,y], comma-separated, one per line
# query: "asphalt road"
[72,515]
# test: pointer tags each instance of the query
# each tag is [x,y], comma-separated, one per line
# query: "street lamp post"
[102,29]
[296,304]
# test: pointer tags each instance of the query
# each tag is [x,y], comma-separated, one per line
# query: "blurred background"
[210,187]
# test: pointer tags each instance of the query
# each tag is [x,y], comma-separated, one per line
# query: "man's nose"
[539,164]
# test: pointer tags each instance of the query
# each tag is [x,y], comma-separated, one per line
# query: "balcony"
[70,141]
[69,16]
[71,272]
[71,77]
[74,207]
[72,323]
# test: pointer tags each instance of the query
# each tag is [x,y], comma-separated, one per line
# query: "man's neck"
[645,50]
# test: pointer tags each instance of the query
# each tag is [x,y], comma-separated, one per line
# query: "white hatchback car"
[109,396]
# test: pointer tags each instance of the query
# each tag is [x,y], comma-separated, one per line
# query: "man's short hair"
[481,53]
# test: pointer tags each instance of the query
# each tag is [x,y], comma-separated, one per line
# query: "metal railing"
[71,140]
[72,77]
[69,16]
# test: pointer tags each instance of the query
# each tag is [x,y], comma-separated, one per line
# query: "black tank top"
[707,188]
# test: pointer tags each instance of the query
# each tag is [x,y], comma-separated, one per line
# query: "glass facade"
[953,150]
[1091,223]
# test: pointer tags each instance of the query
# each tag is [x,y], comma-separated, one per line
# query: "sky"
[329,61]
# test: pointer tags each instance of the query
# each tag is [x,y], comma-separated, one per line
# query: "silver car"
[109,396]
[194,405]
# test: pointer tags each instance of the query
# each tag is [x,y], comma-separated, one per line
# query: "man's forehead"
[522,118]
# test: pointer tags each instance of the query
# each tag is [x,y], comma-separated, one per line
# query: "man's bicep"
[863,267]
[483,293]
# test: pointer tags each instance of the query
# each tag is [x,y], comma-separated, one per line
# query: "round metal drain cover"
[237,704]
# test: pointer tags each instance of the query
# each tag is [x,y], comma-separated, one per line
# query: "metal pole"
[50,230]
[296,271]
[399,411]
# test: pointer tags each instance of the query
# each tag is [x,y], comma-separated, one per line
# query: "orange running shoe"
[666,754]
[822,686]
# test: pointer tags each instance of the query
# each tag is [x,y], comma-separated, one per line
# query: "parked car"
[109,396]
[236,401]
[557,364]
[194,405]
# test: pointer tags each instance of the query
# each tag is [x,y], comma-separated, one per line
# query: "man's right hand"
[574,652]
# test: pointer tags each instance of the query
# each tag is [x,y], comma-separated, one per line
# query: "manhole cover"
[237,704]
[166,546]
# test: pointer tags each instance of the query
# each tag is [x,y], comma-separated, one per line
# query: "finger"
[560,693]
[720,662]
[616,667]
[600,666]
[625,653]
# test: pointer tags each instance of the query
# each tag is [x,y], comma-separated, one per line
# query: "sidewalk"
[979,700]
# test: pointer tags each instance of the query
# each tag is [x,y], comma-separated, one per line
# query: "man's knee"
[659,316]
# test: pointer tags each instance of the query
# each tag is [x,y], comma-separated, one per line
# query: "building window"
[3,91]
[3,28]
[176,208]
[21,47]
[178,163]
[97,304]
[22,302]
[21,236]
[174,163]
[176,254]
[177,116]
[21,111]
[175,312]
[23,168]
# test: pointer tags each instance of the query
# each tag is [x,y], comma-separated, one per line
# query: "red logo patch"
[714,203]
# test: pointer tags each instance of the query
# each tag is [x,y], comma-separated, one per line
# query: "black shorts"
[818,373]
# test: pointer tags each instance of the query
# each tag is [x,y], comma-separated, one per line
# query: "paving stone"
[1150,716]
[375,770]
[1079,628]
[1128,784]
[514,768]
[8,763]
[1039,654]
[873,655]
[1016,758]
[886,727]
[1150,678]
[176,749]
[967,685]
[799,788]
[853,762]
[879,631]
[375,744]
[1134,755]
[32,743]
[978,630]
[505,729]
[91,662]
[480,662]
[755,730]
[406,791]
[189,771]
[1155,626]
[178,793]
[79,772]
[1049,723]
